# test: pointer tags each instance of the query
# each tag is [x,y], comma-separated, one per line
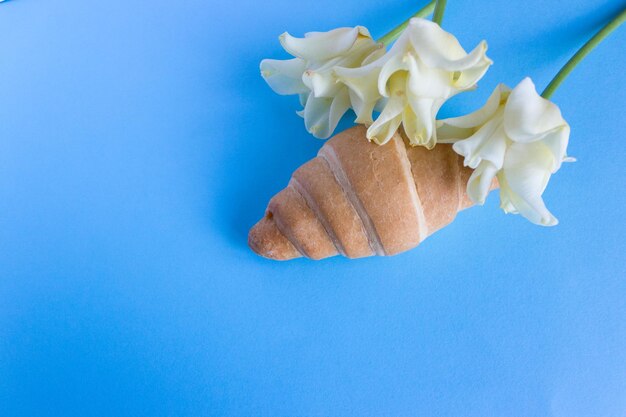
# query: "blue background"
[138,144]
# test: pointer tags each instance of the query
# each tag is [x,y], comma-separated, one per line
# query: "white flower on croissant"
[310,74]
[518,137]
[424,68]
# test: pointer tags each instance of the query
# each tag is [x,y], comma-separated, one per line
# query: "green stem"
[439,9]
[395,33]
[582,52]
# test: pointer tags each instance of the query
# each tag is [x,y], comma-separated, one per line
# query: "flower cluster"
[311,73]
[517,137]
[424,68]
[345,68]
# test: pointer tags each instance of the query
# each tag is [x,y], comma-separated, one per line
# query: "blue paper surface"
[138,144]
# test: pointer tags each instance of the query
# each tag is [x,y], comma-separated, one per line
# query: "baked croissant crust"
[357,199]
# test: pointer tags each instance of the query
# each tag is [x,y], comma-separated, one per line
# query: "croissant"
[360,199]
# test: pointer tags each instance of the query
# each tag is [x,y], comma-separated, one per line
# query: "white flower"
[310,74]
[518,137]
[424,68]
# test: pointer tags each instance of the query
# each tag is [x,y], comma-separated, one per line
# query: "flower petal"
[479,182]
[424,110]
[413,128]
[284,76]
[440,49]
[524,177]
[382,130]
[391,68]
[362,81]
[339,107]
[436,47]
[303,97]
[322,84]
[488,143]
[322,114]
[363,109]
[321,46]
[426,82]
[374,55]
[529,117]
[362,49]
[480,116]
[364,94]
[316,115]
[452,134]
[557,141]
[472,68]
[322,77]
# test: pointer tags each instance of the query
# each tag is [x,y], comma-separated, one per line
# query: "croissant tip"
[266,240]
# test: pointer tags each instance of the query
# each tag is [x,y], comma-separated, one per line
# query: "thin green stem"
[395,32]
[582,53]
[439,9]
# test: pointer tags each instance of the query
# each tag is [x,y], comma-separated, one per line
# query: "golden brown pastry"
[360,199]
